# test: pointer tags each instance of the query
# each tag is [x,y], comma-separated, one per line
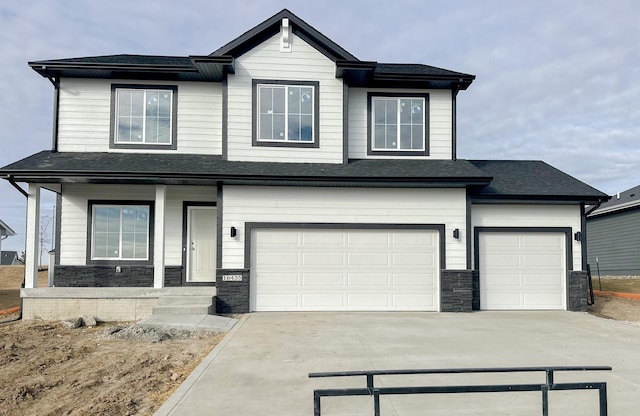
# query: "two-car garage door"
[344,269]
[522,270]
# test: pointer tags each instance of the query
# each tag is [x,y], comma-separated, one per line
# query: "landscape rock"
[72,323]
[89,320]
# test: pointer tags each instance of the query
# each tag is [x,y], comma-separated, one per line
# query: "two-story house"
[285,174]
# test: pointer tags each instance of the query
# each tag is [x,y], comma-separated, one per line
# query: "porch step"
[185,304]
[192,309]
[173,300]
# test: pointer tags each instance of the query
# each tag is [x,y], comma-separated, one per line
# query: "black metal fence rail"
[544,388]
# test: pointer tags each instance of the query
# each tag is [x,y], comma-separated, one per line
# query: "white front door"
[201,244]
[358,270]
[524,270]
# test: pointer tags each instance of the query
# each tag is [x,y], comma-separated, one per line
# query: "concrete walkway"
[211,323]
[261,367]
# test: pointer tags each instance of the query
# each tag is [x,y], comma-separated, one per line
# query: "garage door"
[522,270]
[327,269]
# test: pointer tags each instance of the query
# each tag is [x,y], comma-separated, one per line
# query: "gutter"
[593,208]
[56,105]
[15,185]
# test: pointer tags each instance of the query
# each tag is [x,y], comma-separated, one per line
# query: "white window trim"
[93,224]
[144,119]
[398,125]
[286,113]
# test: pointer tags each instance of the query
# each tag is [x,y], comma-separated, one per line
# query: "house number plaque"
[232,278]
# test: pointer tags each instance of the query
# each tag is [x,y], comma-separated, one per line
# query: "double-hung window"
[398,125]
[144,117]
[286,113]
[120,232]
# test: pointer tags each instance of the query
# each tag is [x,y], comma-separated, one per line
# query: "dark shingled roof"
[56,167]
[124,59]
[415,69]
[532,179]
[488,179]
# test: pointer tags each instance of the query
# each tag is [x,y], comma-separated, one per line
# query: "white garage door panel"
[522,270]
[344,270]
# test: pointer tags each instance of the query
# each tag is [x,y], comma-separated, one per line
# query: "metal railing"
[544,388]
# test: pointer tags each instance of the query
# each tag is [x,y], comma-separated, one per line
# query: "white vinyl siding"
[343,205]
[439,123]
[85,116]
[303,63]
[73,222]
[512,215]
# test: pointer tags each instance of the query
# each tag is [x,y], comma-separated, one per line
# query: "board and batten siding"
[343,206]
[615,240]
[84,116]
[440,134]
[303,63]
[74,216]
[541,216]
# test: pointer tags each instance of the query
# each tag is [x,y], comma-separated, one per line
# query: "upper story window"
[143,116]
[398,125]
[285,113]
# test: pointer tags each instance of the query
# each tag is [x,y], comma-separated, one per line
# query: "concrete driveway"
[262,365]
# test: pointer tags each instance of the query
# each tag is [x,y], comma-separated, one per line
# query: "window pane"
[152,103]
[391,111]
[392,140]
[141,219]
[266,127]
[294,100]
[265,97]
[113,245]
[128,245]
[405,111]
[124,103]
[379,111]
[164,130]
[278,127]
[380,139]
[113,218]
[136,129]
[279,100]
[100,245]
[137,103]
[306,100]
[405,137]
[306,128]
[417,138]
[140,247]
[417,114]
[166,100]
[151,133]
[124,129]
[294,128]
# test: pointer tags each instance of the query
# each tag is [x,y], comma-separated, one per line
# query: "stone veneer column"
[456,290]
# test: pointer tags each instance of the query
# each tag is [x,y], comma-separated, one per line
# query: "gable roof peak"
[271,26]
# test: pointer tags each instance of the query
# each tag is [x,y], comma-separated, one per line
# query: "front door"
[201,244]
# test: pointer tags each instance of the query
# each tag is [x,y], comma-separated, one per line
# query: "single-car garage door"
[522,270]
[338,269]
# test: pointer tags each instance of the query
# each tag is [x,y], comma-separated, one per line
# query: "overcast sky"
[557,81]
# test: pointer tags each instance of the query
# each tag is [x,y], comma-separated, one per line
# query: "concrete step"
[172,300]
[192,309]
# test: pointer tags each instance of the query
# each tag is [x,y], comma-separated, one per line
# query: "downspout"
[583,226]
[454,150]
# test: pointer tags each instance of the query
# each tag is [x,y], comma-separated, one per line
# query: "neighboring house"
[614,235]
[5,232]
[292,177]
[9,258]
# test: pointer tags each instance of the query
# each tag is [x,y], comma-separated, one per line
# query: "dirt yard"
[52,370]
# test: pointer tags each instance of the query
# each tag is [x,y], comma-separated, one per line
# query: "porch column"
[33,237]
[158,237]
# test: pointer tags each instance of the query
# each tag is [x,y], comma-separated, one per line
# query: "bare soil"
[48,369]
[11,278]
